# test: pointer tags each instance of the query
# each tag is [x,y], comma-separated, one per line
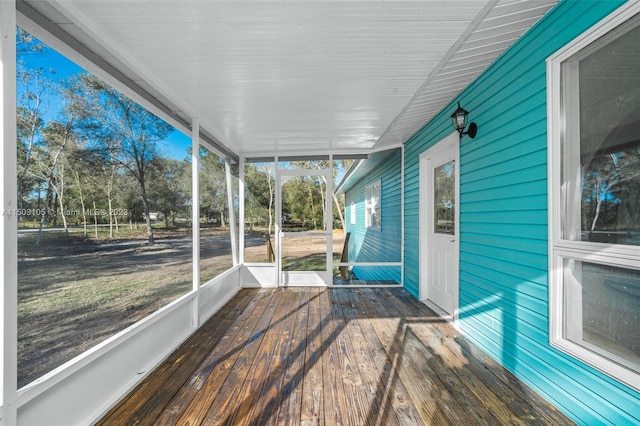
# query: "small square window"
[353,213]
[373,205]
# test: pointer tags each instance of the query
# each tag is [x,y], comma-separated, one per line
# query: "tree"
[303,200]
[260,191]
[30,124]
[81,173]
[170,188]
[213,185]
[130,133]
[317,185]
[610,201]
[26,44]
[340,202]
[33,87]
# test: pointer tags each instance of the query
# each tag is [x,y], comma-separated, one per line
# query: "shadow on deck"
[330,356]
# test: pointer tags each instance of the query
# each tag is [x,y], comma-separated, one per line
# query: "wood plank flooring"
[341,356]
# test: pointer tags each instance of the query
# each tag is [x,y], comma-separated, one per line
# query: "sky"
[176,144]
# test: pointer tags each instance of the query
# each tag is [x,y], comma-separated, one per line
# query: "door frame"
[451,142]
[304,278]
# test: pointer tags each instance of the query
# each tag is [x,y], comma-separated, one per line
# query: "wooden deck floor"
[330,356]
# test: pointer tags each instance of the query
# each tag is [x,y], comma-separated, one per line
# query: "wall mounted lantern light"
[459,118]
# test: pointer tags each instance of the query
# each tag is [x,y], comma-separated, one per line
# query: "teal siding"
[503,221]
[385,244]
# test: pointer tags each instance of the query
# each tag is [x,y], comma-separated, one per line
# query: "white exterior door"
[439,230]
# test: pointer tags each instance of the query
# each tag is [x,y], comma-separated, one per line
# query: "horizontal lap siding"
[503,221]
[373,245]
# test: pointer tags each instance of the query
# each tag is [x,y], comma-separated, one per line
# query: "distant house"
[526,236]
[154,216]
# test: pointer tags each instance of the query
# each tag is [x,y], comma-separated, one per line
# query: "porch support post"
[329,219]
[278,223]
[9,227]
[402,215]
[232,215]
[195,216]
[241,198]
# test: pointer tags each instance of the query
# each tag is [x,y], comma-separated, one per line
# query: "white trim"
[9,226]
[303,279]
[241,212]
[452,141]
[278,219]
[195,215]
[258,275]
[232,212]
[328,196]
[402,222]
[560,247]
[609,23]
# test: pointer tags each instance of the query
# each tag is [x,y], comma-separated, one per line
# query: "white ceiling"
[289,78]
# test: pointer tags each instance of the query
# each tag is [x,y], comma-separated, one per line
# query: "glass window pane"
[444,199]
[602,146]
[602,310]
[234,170]
[373,205]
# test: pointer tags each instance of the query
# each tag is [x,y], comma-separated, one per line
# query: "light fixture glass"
[459,119]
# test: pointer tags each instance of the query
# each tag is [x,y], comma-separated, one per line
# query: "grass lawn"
[74,292]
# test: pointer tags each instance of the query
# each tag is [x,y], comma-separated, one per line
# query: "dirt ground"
[74,293]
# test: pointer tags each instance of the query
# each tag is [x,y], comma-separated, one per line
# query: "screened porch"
[193,282]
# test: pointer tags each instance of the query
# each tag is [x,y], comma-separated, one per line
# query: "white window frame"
[370,206]
[561,249]
[353,213]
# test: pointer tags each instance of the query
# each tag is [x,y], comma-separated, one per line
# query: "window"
[353,213]
[594,130]
[444,203]
[372,205]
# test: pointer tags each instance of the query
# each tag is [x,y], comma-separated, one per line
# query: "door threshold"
[438,310]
